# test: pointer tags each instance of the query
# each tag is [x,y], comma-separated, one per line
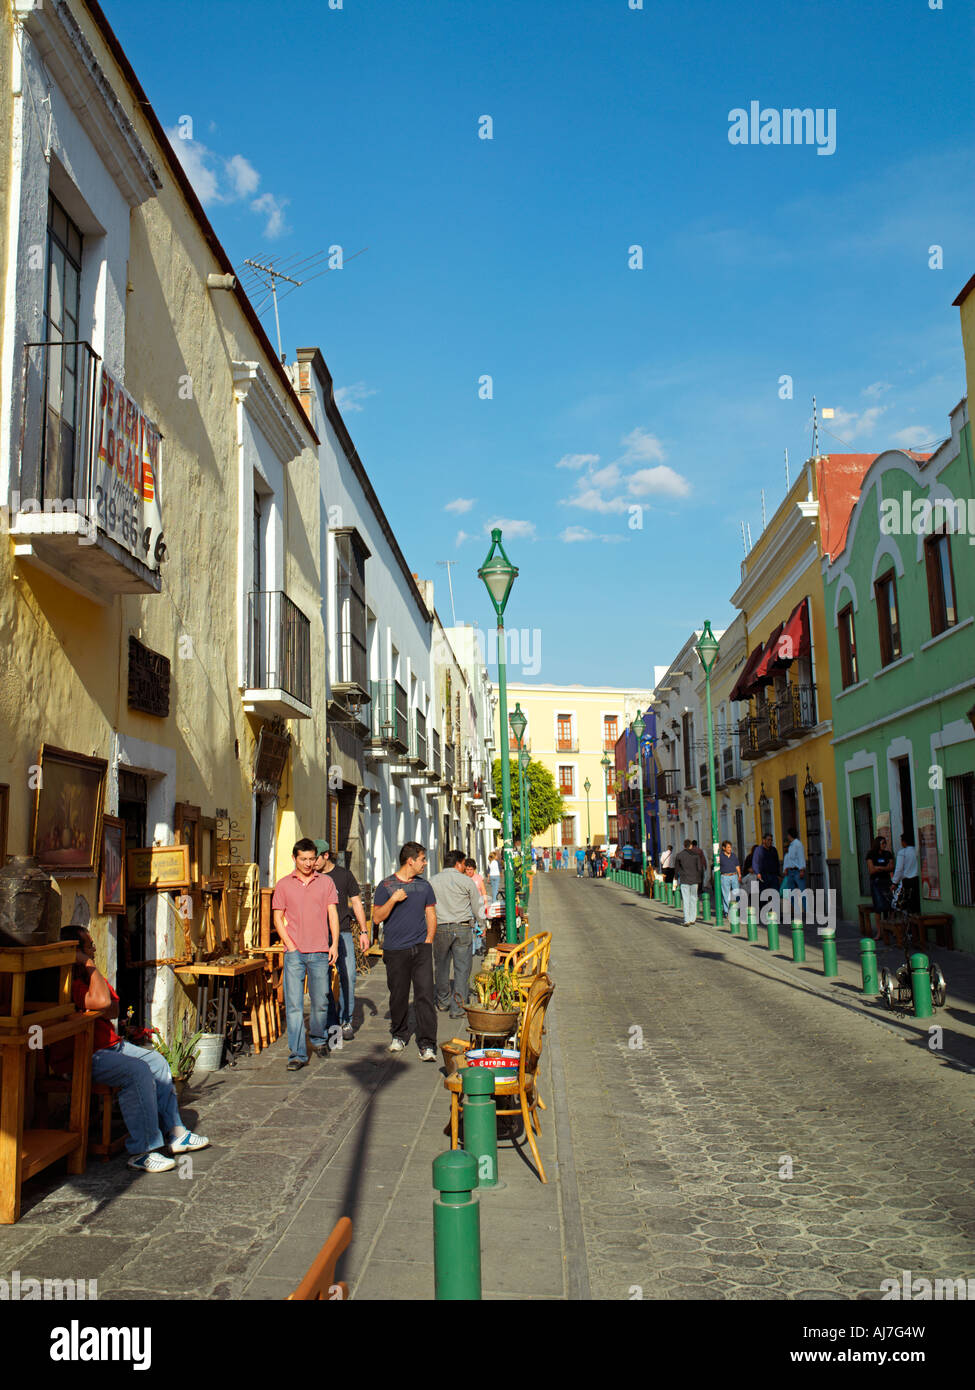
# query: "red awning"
[764,673]
[742,688]
[794,640]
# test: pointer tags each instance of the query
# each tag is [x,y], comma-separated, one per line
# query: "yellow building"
[781,699]
[966,306]
[160,592]
[571,728]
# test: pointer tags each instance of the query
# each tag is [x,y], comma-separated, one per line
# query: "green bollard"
[456,1227]
[798,943]
[830,965]
[481,1123]
[705,906]
[868,965]
[921,985]
[751,926]
[734,919]
[773,932]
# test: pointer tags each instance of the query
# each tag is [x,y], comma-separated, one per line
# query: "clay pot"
[30,904]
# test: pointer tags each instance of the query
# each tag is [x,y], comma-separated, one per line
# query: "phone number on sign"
[121,520]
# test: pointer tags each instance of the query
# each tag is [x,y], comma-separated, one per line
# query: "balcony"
[352,674]
[731,768]
[668,785]
[703,781]
[434,769]
[567,745]
[767,729]
[477,791]
[87,507]
[278,676]
[447,781]
[418,740]
[609,745]
[747,741]
[390,719]
[796,712]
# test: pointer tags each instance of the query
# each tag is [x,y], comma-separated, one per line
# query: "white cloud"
[463,536]
[351,397]
[607,476]
[242,175]
[198,164]
[661,482]
[593,501]
[460,504]
[274,208]
[642,447]
[577,460]
[913,437]
[576,533]
[877,388]
[853,424]
[518,530]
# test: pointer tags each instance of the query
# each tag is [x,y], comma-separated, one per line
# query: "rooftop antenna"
[815,431]
[763,509]
[273,276]
[749,526]
[743,545]
[787,483]
[447,564]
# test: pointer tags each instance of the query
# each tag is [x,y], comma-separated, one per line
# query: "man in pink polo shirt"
[306,915]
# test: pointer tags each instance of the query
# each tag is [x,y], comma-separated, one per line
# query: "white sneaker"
[427,1054]
[152,1162]
[396,1045]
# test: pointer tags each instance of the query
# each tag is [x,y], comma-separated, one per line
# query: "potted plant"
[180,1053]
[497,1008]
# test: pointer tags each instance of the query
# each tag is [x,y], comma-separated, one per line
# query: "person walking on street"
[880,866]
[906,873]
[580,862]
[305,909]
[406,904]
[627,856]
[794,869]
[494,876]
[667,863]
[349,906]
[459,906]
[730,871]
[765,863]
[589,869]
[691,874]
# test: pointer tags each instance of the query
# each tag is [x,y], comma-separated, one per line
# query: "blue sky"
[613,387]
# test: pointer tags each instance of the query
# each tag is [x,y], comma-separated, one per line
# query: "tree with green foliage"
[544,801]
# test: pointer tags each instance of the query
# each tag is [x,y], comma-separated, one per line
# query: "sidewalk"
[352,1135]
[956,1019]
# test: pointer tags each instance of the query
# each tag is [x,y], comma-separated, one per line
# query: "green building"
[900,618]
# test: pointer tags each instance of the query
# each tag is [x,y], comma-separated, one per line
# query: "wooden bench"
[940,923]
[101,1141]
[319,1283]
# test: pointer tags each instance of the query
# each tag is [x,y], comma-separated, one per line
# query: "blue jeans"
[729,882]
[789,882]
[454,940]
[298,964]
[345,965]
[688,893]
[147,1099]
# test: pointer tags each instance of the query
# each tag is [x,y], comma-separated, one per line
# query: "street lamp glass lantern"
[587,785]
[518,723]
[524,758]
[707,647]
[605,762]
[498,573]
[638,725]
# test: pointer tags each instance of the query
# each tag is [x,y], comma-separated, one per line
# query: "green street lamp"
[519,723]
[606,765]
[707,647]
[638,727]
[587,787]
[524,758]
[498,574]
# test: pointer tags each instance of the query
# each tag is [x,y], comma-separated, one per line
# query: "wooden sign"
[159,867]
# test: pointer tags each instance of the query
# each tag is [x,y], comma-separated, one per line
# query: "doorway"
[907,799]
[863,829]
[789,808]
[133,810]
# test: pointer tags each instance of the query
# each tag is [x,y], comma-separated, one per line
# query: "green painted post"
[773,932]
[798,943]
[868,965]
[734,919]
[830,966]
[481,1124]
[751,926]
[705,906]
[456,1228]
[921,985]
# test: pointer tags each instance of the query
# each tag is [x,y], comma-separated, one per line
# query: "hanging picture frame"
[111,888]
[66,829]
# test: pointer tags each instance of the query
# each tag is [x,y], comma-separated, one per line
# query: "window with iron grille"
[690,771]
[610,731]
[961,838]
[350,601]
[567,781]
[62,310]
[888,619]
[848,647]
[568,830]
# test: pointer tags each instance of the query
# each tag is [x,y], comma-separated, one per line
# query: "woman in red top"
[147,1098]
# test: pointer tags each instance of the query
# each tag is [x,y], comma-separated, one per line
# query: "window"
[961,838]
[888,621]
[612,834]
[563,735]
[61,313]
[610,732]
[567,781]
[690,771]
[350,604]
[610,774]
[848,647]
[863,826]
[568,830]
[941,583]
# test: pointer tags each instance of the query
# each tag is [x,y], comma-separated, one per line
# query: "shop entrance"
[133,810]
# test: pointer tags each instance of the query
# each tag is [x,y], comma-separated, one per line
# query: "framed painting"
[66,832]
[111,892]
[160,867]
[186,827]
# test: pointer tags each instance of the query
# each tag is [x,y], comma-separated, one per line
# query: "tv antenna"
[447,564]
[273,276]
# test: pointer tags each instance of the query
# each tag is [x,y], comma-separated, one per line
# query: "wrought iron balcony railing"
[390,718]
[279,645]
[796,712]
[747,741]
[668,784]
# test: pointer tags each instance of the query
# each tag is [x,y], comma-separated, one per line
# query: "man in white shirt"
[906,873]
[794,869]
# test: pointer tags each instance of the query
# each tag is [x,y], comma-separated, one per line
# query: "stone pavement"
[354,1134]
[737,1134]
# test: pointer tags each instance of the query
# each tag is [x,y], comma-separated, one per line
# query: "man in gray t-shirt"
[689,870]
[459,906]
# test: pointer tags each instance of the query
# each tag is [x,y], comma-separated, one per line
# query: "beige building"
[571,728]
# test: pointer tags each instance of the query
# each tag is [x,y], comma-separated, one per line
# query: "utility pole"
[447,564]
[271,283]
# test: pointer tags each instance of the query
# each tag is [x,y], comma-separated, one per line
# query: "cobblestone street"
[679,1145]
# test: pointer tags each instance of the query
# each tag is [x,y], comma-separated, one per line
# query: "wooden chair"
[319,1283]
[101,1141]
[523,1086]
[531,956]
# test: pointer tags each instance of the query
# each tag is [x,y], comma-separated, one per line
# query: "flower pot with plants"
[180,1053]
[496,1011]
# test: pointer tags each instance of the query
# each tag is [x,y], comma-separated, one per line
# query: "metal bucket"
[209,1052]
